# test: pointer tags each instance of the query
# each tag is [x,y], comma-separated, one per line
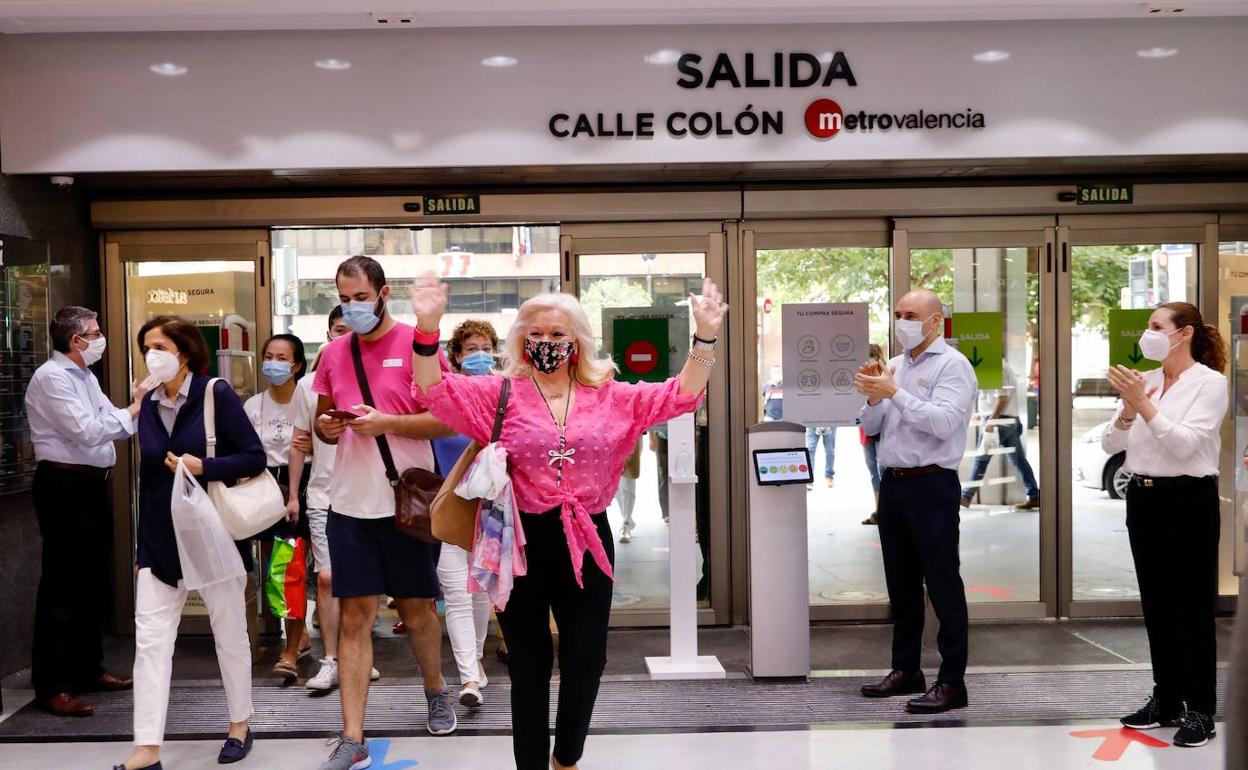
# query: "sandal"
[286,669]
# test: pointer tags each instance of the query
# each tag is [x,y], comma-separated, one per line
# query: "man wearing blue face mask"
[470,351]
[920,405]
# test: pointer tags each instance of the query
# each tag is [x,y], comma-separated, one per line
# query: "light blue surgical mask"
[363,316]
[277,372]
[478,363]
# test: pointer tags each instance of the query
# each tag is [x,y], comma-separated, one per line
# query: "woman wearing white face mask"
[171,430]
[274,413]
[1169,423]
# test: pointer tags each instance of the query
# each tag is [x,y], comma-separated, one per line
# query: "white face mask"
[1155,345]
[94,351]
[909,333]
[162,365]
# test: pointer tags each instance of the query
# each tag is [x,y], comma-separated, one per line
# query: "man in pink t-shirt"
[369,555]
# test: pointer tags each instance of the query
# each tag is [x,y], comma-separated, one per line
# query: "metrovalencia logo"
[826,118]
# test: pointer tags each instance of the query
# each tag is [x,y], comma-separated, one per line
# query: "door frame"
[116,250]
[711,238]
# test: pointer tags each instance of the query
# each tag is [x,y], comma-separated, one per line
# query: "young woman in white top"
[274,413]
[1169,423]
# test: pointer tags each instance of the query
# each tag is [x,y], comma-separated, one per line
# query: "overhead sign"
[824,344]
[1104,194]
[979,337]
[1125,328]
[452,205]
[647,344]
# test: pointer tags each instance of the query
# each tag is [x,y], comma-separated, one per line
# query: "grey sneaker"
[347,755]
[442,719]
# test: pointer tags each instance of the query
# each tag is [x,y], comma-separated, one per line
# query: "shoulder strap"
[383,445]
[503,396]
[210,417]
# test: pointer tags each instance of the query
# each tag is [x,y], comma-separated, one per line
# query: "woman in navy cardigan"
[171,427]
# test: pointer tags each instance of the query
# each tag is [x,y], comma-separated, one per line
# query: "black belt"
[104,474]
[909,473]
[1169,482]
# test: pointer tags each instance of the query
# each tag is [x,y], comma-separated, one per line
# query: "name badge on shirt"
[392,363]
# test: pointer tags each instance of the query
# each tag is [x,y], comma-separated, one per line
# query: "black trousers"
[1174,540]
[582,615]
[919,521]
[76,524]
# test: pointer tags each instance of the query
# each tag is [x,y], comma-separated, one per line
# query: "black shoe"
[149,767]
[872,520]
[1195,729]
[896,683]
[235,750]
[1149,717]
[941,697]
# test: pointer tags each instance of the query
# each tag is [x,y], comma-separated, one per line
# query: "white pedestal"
[684,661]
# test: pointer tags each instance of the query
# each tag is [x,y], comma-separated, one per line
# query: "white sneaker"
[374,675]
[471,697]
[626,535]
[327,678]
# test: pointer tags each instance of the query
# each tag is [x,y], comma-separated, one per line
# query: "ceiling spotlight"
[992,56]
[168,69]
[663,56]
[333,64]
[1156,52]
[500,61]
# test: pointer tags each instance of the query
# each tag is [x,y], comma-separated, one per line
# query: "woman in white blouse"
[1169,423]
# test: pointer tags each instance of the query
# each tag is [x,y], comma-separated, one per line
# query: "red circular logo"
[641,357]
[824,118]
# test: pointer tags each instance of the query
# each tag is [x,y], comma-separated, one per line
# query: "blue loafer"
[149,767]
[234,749]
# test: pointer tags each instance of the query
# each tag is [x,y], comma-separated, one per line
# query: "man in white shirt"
[998,411]
[73,426]
[920,406]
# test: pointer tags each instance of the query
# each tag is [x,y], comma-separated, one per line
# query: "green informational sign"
[979,338]
[640,348]
[1125,328]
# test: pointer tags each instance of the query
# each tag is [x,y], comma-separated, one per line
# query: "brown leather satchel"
[454,518]
[415,488]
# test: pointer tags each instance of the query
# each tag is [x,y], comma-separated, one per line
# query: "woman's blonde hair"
[589,369]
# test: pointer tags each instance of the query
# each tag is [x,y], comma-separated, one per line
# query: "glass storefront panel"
[845,565]
[490,271]
[1105,277]
[658,283]
[996,293]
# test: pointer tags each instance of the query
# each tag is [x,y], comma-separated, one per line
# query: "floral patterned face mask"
[547,356]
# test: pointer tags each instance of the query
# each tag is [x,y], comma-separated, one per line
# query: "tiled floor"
[1044,747]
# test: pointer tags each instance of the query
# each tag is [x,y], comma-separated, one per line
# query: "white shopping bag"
[207,552]
[989,440]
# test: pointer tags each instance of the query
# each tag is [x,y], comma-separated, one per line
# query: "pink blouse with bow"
[602,431]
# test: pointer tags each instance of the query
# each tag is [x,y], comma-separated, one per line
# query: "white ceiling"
[34,16]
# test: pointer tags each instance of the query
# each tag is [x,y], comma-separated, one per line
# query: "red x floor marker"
[1117,740]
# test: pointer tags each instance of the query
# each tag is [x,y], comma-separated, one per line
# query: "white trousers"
[157,613]
[467,615]
[626,496]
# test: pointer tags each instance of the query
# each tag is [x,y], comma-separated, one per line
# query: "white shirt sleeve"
[62,405]
[1113,440]
[949,409]
[1202,422]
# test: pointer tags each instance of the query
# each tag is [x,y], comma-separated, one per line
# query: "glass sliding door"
[1112,270]
[814,262]
[991,275]
[634,283]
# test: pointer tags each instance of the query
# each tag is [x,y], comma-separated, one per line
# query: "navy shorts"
[371,557]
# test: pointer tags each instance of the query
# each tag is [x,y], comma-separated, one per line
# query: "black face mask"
[547,356]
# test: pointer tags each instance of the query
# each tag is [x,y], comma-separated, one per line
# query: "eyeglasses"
[93,335]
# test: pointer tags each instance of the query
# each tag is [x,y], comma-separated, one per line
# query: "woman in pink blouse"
[568,430]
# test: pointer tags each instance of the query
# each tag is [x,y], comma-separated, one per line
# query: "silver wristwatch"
[709,347]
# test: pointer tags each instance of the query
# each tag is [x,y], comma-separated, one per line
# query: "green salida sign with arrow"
[979,338]
[1125,328]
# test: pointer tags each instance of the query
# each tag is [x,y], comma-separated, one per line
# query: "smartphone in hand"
[342,414]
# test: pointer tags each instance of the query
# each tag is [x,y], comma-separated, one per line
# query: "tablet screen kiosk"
[775,467]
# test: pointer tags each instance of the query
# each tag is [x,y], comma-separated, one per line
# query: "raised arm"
[429,304]
[708,315]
